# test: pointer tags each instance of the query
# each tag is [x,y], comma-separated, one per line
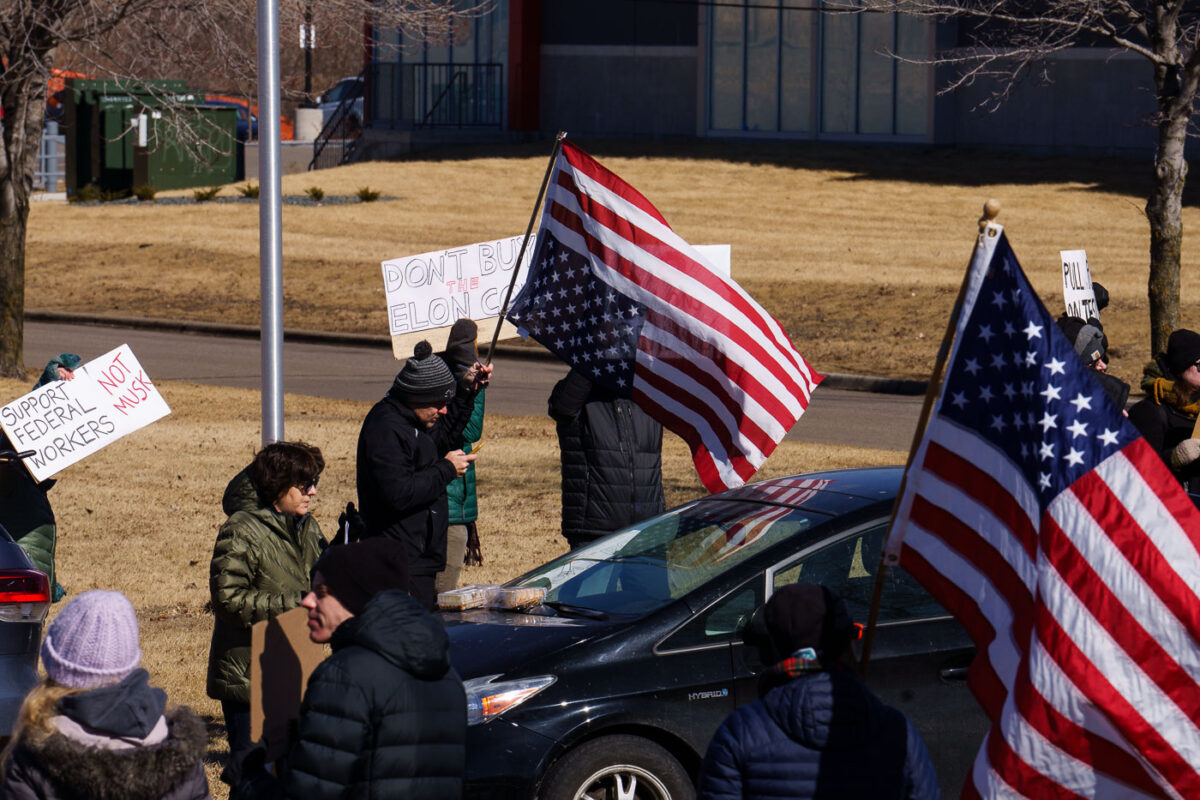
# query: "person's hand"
[65,374]
[1185,453]
[460,460]
[477,376]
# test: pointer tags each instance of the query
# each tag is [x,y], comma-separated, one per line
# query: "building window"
[777,68]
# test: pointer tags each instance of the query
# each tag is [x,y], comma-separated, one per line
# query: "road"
[520,386]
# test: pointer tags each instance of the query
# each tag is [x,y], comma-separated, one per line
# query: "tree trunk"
[24,104]
[1163,211]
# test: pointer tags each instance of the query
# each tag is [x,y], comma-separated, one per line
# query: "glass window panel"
[914,39]
[762,66]
[875,74]
[796,71]
[840,40]
[727,44]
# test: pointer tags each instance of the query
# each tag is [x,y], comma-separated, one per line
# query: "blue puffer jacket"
[822,735]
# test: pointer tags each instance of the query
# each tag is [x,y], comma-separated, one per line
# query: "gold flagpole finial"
[991,209]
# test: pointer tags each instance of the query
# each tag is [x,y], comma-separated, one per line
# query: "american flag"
[1037,515]
[619,296]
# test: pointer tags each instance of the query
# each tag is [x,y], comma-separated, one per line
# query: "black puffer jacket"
[384,717]
[60,767]
[611,454]
[402,477]
[1164,426]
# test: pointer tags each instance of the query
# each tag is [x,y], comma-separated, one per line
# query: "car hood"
[499,642]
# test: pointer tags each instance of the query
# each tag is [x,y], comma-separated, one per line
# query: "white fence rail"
[52,162]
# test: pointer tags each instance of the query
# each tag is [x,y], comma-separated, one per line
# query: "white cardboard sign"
[66,421]
[427,293]
[1078,295]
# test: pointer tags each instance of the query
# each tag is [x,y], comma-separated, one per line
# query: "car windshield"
[340,92]
[643,568]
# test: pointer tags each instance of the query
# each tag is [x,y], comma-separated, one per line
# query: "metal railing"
[52,159]
[338,139]
[410,96]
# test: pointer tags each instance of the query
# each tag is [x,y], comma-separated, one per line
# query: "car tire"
[618,768]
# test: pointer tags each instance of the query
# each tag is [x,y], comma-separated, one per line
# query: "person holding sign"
[409,450]
[1167,416]
[260,567]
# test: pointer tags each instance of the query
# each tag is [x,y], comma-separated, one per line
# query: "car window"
[848,567]
[721,622]
[643,568]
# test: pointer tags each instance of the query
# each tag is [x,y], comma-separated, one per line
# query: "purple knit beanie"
[93,642]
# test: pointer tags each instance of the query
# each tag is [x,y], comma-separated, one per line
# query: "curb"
[833,380]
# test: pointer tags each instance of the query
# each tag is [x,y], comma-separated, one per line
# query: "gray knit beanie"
[93,642]
[425,379]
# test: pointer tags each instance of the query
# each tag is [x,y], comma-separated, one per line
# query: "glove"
[474,556]
[1185,453]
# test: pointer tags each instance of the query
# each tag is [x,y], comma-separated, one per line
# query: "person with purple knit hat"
[95,728]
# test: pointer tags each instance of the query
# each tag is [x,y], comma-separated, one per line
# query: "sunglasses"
[309,485]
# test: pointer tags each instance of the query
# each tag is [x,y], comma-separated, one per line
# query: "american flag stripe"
[662,326]
[1037,516]
[667,275]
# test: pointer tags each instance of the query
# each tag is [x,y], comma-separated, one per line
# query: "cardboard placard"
[282,657]
[1078,295]
[66,421]
[427,293]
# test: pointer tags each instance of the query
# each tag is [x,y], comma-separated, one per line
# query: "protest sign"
[427,293]
[65,421]
[1077,285]
[282,657]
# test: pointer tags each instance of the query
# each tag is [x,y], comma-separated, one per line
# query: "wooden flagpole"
[525,242]
[990,211]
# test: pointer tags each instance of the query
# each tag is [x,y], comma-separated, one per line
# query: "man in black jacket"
[386,714]
[611,454]
[409,450]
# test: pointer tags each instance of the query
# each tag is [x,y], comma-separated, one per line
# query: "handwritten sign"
[427,293]
[1077,285]
[66,421]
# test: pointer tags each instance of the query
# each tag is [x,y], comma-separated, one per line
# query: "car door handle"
[953,673]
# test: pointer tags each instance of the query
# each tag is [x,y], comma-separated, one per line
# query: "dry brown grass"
[141,516]
[857,251]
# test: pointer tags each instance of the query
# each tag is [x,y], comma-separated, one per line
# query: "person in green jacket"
[261,566]
[461,535]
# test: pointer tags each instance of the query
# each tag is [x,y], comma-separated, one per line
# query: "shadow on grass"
[218,738]
[920,164]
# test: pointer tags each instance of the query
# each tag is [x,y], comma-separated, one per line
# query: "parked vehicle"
[614,684]
[331,100]
[24,598]
[247,120]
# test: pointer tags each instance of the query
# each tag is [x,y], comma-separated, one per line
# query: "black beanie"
[425,379]
[803,615]
[460,353]
[356,572]
[1183,350]
[1086,338]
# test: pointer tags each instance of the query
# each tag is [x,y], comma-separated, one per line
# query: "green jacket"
[261,567]
[461,491]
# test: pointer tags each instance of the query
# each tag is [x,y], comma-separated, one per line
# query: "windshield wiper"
[578,611]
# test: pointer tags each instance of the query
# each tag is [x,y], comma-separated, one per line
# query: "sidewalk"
[833,380]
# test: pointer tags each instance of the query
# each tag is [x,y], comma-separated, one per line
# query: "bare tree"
[1008,41]
[137,40]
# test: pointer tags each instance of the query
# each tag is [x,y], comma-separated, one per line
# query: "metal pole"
[309,41]
[270,221]
[525,242]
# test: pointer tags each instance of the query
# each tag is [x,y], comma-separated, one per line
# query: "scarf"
[1163,391]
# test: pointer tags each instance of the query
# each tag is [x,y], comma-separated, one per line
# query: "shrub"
[145,192]
[249,190]
[315,193]
[204,195]
[367,194]
[89,193]
[113,194]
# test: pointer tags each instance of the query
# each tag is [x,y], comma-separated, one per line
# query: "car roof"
[833,492]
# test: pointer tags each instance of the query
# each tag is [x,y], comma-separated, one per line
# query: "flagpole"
[525,242]
[991,209]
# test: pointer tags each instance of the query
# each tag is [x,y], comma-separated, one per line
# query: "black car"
[614,684]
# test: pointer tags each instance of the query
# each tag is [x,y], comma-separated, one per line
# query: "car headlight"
[488,698]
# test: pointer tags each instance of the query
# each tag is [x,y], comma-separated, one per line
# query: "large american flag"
[615,293]
[1037,515]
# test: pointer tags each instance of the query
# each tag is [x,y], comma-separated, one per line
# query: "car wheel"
[618,768]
